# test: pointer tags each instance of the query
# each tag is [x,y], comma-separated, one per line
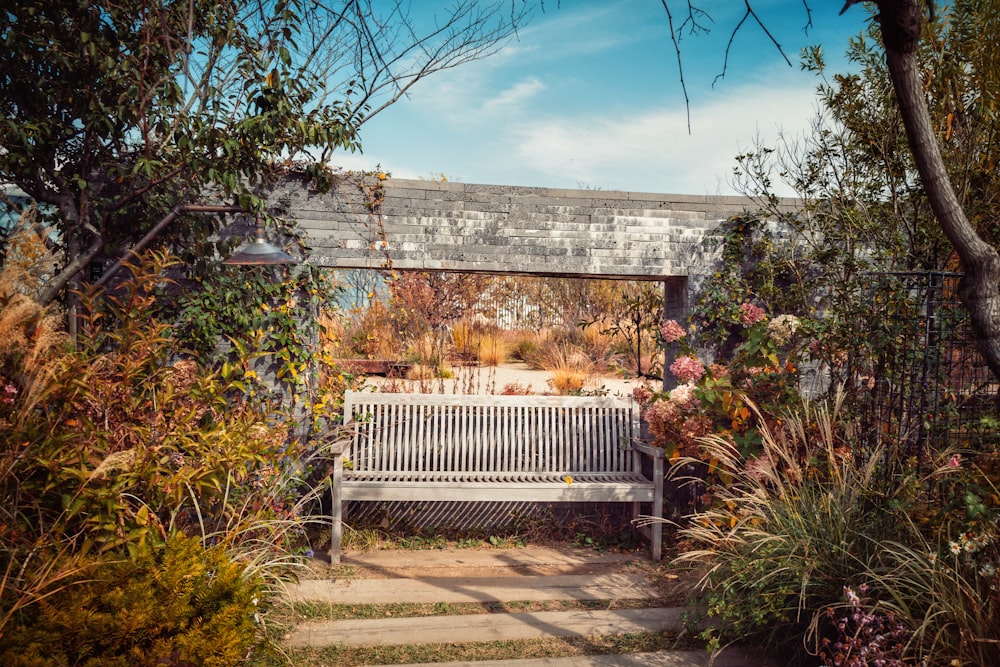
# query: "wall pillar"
[675,307]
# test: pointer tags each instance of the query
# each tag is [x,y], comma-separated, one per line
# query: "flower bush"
[866,634]
[807,513]
[713,398]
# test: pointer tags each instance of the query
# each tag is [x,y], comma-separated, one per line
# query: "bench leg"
[336,534]
[656,529]
[336,513]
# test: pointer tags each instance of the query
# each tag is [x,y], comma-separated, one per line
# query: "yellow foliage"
[29,332]
[492,349]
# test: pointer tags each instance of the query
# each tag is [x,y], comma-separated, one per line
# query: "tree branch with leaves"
[115,112]
[900,27]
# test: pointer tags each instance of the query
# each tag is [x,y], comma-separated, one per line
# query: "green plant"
[182,604]
[714,398]
[949,599]
[427,542]
[947,584]
[506,541]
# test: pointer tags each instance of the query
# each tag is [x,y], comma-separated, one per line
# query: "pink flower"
[688,369]
[718,371]
[955,461]
[751,314]
[642,394]
[661,416]
[672,332]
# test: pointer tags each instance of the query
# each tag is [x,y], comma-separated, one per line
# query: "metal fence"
[921,381]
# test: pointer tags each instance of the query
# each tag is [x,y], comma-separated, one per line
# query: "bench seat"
[448,447]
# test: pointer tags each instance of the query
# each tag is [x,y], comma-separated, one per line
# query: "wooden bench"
[448,447]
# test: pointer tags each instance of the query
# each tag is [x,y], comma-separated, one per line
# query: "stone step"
[613,586]
[485,562]
[485,627]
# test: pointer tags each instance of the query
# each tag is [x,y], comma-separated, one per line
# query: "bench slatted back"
[502,435]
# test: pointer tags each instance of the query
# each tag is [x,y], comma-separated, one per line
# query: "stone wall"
[432,226]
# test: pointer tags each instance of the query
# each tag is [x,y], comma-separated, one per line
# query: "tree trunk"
[900,22]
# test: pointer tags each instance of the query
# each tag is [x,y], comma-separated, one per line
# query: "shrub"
[130,441]
[526,346]
[420,372]
[949,590]
[372,333]
[515,389]
[600,347]
[183,604]
[115,446]
[791,525]
[865,634]
[571,368]
[715,397]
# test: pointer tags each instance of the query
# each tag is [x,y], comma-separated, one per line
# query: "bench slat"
[396,437]
[492,492]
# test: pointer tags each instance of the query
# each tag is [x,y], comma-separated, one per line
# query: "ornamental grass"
[806,521]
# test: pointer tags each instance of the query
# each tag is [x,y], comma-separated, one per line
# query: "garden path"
[630,602]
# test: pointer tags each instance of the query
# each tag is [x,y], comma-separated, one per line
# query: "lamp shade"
[259,252]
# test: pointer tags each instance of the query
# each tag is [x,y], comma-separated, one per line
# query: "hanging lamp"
[259,252]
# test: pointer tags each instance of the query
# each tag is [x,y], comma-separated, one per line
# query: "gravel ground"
[492,380]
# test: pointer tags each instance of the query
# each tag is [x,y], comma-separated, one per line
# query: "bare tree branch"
[748,14]
[372,58]
[680,62]
[693,25]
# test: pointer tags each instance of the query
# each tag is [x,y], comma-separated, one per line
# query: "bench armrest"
[649,450]
[338,446]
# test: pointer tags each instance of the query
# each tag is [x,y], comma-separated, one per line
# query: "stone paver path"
[515,575]
[530,588]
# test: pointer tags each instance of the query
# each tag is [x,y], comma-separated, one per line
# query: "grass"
[300,612]
[371,539]
[492,349]
[571,369]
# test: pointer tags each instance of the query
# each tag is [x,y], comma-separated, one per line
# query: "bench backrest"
[491,434]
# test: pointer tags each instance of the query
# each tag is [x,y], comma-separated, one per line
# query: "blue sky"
[589,96]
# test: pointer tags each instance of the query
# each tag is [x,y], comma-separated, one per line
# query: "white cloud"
[514,96]
[646,150]
[555,38]
[651,150]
